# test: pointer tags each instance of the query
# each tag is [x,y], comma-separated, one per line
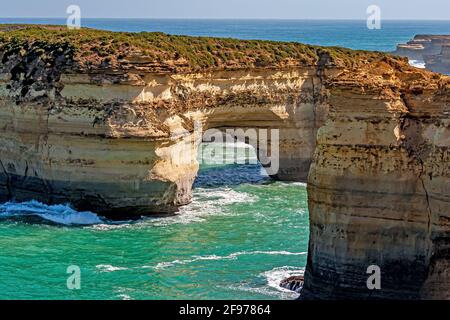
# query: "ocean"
[242,234]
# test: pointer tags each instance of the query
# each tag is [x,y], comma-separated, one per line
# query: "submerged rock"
[294,283]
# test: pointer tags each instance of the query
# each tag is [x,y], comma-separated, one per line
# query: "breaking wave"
[206,202]
[109,268]
[232,256]
[272,288]
[276,275]
[417,63]
[59,214]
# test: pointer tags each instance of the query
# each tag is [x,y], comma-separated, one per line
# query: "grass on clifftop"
[111,49]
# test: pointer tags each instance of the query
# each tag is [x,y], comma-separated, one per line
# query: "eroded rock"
[368,132]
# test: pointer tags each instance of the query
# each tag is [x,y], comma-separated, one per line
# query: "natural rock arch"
[107,140]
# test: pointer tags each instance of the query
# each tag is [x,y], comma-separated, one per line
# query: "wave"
[59,214]
[276,275]
[417,63]
[206,203]
[109,268]
[272,286]
[232,256]
[124,293]
[292,184]
[265,291]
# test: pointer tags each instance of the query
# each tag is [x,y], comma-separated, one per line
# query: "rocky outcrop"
[118,138]
[433,50]
[379,187]
[109,149]
[440,62]
[294,283]
[112,130]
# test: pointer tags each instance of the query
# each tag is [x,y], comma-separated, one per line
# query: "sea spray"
[59,214]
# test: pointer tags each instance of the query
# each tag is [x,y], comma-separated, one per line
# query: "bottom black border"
[226,309]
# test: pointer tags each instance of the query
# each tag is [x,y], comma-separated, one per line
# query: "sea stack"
[433,50]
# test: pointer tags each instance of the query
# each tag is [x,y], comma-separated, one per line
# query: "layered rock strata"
[379,187]
[440,62]
[112,130]
[433,50]
[119,138]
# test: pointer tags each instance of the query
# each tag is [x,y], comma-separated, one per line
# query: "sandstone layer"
[106,122]
[117,136]
[379,187]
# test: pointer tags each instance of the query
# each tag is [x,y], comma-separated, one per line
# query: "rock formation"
[106,122]
[379,187]
[439,62]
[294,283]
[433,50]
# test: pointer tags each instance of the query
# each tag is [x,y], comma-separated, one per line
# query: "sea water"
[242,234]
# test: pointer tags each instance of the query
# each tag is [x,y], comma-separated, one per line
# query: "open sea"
[242,234]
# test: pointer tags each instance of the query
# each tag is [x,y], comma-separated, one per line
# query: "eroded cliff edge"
[433,50]
[379,187]
[105,121]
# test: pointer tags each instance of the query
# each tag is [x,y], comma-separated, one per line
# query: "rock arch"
[378,185]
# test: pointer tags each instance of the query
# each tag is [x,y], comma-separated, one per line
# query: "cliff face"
[440,62]
[130,147]
[114,133]
[431,49]
[379,188]
[118,137]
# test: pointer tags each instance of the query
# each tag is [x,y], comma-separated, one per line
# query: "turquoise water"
[242,234]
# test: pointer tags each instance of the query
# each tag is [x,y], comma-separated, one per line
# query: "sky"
[237,9]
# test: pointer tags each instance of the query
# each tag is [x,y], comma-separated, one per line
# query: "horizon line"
[274,19]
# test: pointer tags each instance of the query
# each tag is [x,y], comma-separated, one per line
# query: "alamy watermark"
[374,280]
[374,17]
[74,18]
[74,280]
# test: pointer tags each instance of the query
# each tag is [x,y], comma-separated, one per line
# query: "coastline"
[398,110]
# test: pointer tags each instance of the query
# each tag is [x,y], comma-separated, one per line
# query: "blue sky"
[275,9]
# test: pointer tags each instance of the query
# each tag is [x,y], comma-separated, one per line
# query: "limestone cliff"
[105,121]
[433,50]
[379,187]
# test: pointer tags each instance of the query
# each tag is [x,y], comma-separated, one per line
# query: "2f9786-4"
[246,309]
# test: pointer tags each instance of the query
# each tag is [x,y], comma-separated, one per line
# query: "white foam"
[292,184]
[109,268]
[124,293]
[417,63]
[232,256]
[276,275]
[272,287]
[206,203]
[60,214]
[261,290]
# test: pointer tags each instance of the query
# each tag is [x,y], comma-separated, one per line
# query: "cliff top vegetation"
[90,48]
